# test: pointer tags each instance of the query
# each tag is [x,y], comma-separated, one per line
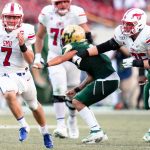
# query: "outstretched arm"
[101,48]
[60,59]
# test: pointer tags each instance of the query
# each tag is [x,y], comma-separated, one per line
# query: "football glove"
[128,62]
[38,62]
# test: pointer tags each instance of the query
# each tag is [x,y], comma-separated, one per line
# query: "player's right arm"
[114,43]
[100,48]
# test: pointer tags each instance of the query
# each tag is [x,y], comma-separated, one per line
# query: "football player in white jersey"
[52,19]
[16,39]
[134,34]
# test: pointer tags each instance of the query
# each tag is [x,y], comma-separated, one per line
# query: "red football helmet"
[12,16]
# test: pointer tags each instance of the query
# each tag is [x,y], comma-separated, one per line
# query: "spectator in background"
[135,3]
[125,75]
[52,20]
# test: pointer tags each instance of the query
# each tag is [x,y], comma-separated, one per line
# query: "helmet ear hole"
[73,33]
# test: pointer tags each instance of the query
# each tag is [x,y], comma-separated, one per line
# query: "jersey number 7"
[8,51]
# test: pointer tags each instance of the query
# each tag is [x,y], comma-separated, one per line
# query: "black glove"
[89,38]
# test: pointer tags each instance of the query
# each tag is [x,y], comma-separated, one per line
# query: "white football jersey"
[55,24]
[139,47]
[11,58]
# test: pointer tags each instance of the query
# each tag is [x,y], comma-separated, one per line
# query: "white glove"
[38,61]
[128,62]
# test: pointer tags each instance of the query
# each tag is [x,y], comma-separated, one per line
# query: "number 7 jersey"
[11,58]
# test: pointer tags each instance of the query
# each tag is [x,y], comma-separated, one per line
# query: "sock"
[60,113]
[43,130]
[88,116]
[22,122]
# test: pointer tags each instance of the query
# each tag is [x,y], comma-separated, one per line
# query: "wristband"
[23,48]
[77,89]
[138,63]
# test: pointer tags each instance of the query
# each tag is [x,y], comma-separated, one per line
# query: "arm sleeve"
[107,46]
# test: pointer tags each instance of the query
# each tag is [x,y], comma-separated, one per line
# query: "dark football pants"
[96,91]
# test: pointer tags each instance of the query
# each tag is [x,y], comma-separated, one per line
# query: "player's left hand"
[128,62]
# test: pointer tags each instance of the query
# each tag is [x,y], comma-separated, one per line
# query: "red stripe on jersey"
[82,14]
[12,7]
[148,41]
[31,36]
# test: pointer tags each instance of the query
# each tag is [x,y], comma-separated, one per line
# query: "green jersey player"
[102,80]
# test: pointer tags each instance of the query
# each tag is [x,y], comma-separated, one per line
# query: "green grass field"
[125,130]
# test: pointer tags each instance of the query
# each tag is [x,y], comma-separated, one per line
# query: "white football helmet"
[133,21]
[12,16]
[63,9]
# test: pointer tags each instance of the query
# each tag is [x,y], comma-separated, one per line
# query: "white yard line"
[31,126]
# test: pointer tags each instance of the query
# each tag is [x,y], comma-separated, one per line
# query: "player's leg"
[81,102]
[30,97]
[57,76]
[95,91]
[96,133]
[73,80]
[9,89]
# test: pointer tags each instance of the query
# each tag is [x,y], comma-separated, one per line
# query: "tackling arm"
[60,59]
[101,48]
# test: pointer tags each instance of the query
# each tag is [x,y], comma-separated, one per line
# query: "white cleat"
[60,132]
[146,137]
[95,138]
[72,128]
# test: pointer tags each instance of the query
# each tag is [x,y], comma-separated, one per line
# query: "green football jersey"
[99,67]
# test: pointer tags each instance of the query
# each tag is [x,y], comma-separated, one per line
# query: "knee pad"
[33,105]
[70,105]
[58,99]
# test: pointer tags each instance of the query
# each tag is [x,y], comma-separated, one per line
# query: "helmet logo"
[68,37]
[138,16]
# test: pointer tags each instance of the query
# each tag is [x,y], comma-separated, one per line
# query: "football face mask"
[133,21]
[61,6]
